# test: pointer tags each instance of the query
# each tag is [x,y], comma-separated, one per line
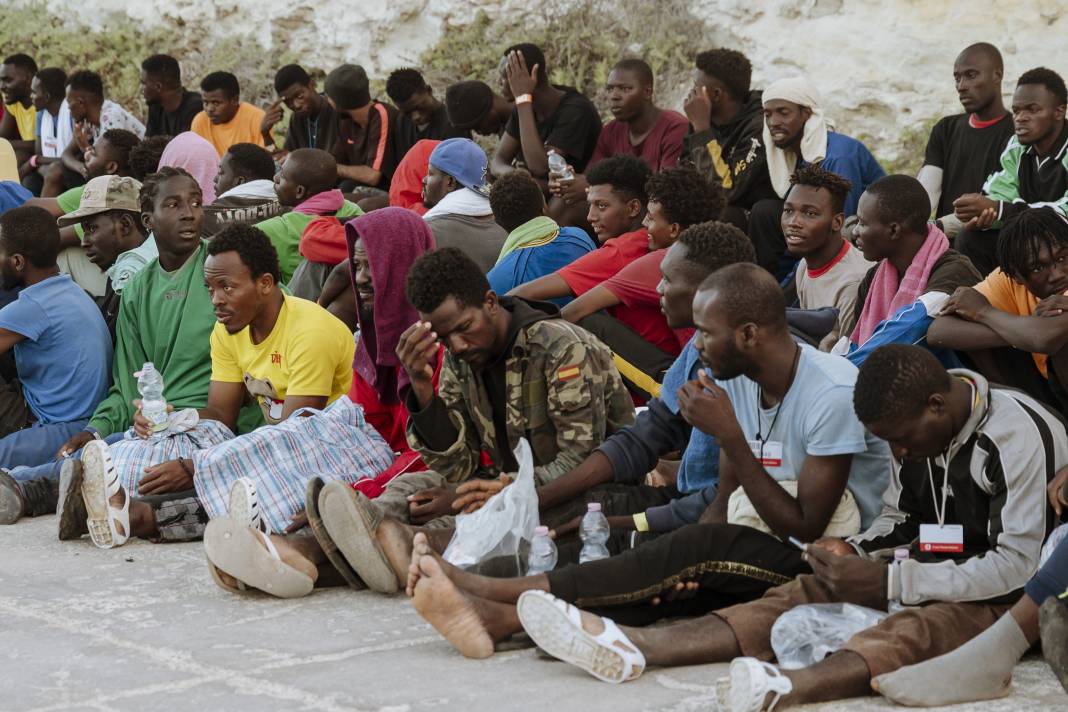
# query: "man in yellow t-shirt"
[19,125]
[1014,324]
[226,119]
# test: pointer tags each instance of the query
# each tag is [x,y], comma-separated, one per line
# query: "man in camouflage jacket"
[512,370]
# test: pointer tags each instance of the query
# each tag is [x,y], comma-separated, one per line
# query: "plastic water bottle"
[542,557]
[153,406]
[594,533]
[558,167]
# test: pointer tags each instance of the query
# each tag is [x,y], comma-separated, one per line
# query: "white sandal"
[748,684]
[244,505]
[108,526]
[232,548]
[556,627]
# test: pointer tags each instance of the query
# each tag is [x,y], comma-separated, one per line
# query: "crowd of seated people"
[785,377]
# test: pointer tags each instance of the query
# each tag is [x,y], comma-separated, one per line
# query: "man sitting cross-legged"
[512,369]
[952,430]
[791,453]
[288,354]
[1012,324]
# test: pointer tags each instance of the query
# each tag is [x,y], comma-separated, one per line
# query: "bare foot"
[451,613]
[420,548]
[396,542]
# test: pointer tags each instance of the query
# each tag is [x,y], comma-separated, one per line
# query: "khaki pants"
[394,501]
[911,636]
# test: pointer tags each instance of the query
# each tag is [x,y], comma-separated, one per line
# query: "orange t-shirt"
[1007,295]
[243,128]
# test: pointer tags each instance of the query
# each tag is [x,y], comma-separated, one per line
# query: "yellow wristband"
[641,523]
[523,99]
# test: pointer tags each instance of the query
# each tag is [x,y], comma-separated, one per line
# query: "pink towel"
[886,296]
[326,203]
[191,152]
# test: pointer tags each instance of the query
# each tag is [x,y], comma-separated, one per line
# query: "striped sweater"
[999,464]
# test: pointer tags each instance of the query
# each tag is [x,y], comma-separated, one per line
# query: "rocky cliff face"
[885,69]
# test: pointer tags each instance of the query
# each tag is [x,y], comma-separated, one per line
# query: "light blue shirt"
[64,363]
[816,417]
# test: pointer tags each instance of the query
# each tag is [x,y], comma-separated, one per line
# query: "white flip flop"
[232,547]
[108,526]
[244,505]
[556,627]
[747,686]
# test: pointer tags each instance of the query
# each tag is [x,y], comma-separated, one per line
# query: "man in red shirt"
[639,128]
[616,199]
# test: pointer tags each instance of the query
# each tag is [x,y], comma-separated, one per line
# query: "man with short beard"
[1027,178]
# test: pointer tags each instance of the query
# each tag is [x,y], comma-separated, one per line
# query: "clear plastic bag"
[504,526]
[807,634]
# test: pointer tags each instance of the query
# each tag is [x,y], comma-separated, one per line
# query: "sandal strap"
[268,543]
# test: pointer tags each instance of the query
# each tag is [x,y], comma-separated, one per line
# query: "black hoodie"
[733,155]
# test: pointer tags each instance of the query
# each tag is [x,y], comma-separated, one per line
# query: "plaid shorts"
[181,519]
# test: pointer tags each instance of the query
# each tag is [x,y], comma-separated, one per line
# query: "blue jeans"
[1052,578]
[36,444]
[50,467]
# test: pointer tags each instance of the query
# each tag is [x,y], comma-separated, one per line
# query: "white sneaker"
[748,684]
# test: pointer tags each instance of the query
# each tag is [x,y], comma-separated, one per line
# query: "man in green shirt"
[306,184]
[165,317]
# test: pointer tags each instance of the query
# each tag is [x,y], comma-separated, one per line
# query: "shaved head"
[312,168]
[746,293]
[985,50]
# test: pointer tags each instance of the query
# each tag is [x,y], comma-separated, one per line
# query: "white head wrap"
[782,162]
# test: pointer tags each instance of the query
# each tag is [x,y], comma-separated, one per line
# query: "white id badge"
[944,539]
[769,454]
[50,146]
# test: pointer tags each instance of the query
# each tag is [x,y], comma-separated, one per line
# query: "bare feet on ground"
[452,614]
[420,548]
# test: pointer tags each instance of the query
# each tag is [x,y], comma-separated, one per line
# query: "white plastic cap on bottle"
[593,507]
[541,531]
[901,554]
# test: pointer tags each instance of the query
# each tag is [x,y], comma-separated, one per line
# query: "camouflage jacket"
[564,395]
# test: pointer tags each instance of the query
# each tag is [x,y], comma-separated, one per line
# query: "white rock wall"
[884,68]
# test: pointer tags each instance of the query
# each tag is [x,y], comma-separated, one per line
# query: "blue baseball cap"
[464,160]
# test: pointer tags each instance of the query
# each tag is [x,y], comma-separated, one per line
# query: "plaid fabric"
[132,455]
[336,443]
[181,519]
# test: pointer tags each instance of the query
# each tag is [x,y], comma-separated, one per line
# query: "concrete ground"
[144,628]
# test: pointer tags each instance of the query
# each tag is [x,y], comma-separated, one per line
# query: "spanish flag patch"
[568,372]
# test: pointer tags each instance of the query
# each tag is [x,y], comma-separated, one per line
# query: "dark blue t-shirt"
[64,363]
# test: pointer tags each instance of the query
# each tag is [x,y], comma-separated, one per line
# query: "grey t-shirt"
[480,238]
